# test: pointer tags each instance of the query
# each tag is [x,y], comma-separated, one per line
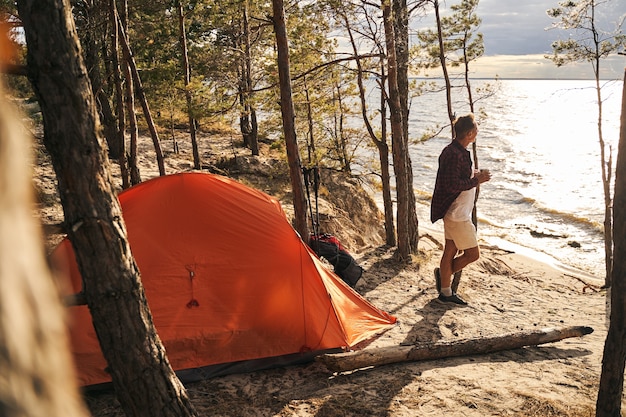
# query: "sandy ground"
[558,379]
[507,293]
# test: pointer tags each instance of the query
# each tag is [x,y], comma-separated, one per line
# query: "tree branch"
[13,69]
[325,64]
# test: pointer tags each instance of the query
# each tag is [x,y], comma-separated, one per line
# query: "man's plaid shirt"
[453,176]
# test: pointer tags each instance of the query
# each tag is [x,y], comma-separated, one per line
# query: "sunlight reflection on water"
[540,141]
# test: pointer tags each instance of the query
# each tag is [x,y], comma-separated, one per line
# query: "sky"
[516,39]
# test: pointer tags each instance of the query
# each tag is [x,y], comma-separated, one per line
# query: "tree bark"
[37,377]
[131,113]
[309,118]
[135,174]
[398,142]
[401,30]
[251,134]
[385,175]
[142,376]
[119,96]
[340,136]
[93,41]
[614,359]
[607,168]
[289,116]
[444,67]
[187,75]
[430,351]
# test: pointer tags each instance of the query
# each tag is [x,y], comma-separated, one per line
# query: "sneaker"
[454,298]
[438,279]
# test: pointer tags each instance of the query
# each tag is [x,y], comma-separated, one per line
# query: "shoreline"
[533,256]
[545,258]
[594,274]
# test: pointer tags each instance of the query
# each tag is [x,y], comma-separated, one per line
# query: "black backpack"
[328,247]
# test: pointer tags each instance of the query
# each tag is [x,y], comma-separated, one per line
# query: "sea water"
[539,139]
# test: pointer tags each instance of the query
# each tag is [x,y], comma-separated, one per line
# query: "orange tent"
[228,280]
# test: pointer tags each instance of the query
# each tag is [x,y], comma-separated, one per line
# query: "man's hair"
[463,125]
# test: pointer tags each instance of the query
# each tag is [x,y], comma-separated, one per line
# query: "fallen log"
[338,362]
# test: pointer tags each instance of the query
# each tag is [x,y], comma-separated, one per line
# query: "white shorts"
[462,233]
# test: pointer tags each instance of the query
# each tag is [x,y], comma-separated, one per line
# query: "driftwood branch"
[433,239]
[430,351]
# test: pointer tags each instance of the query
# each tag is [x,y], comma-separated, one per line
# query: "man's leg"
[465,234]
[446,265]
[469,255]
[450,264]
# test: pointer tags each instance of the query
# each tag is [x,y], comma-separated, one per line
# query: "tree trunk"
[385,175]
[470,100]
[607,168]
[244,116]
[144,101]
[109,121]
[309,119]
[381,143]
[135,175]
[93,61]
[614,359]
[37,377]
[289,116]
[394,354]
[255,130]
[188,95]
[253,136]
[398,142]
[119,95]
[142,376]
[444,67]
[340,137]
[401,30]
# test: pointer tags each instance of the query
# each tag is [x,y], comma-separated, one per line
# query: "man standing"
[453,201]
